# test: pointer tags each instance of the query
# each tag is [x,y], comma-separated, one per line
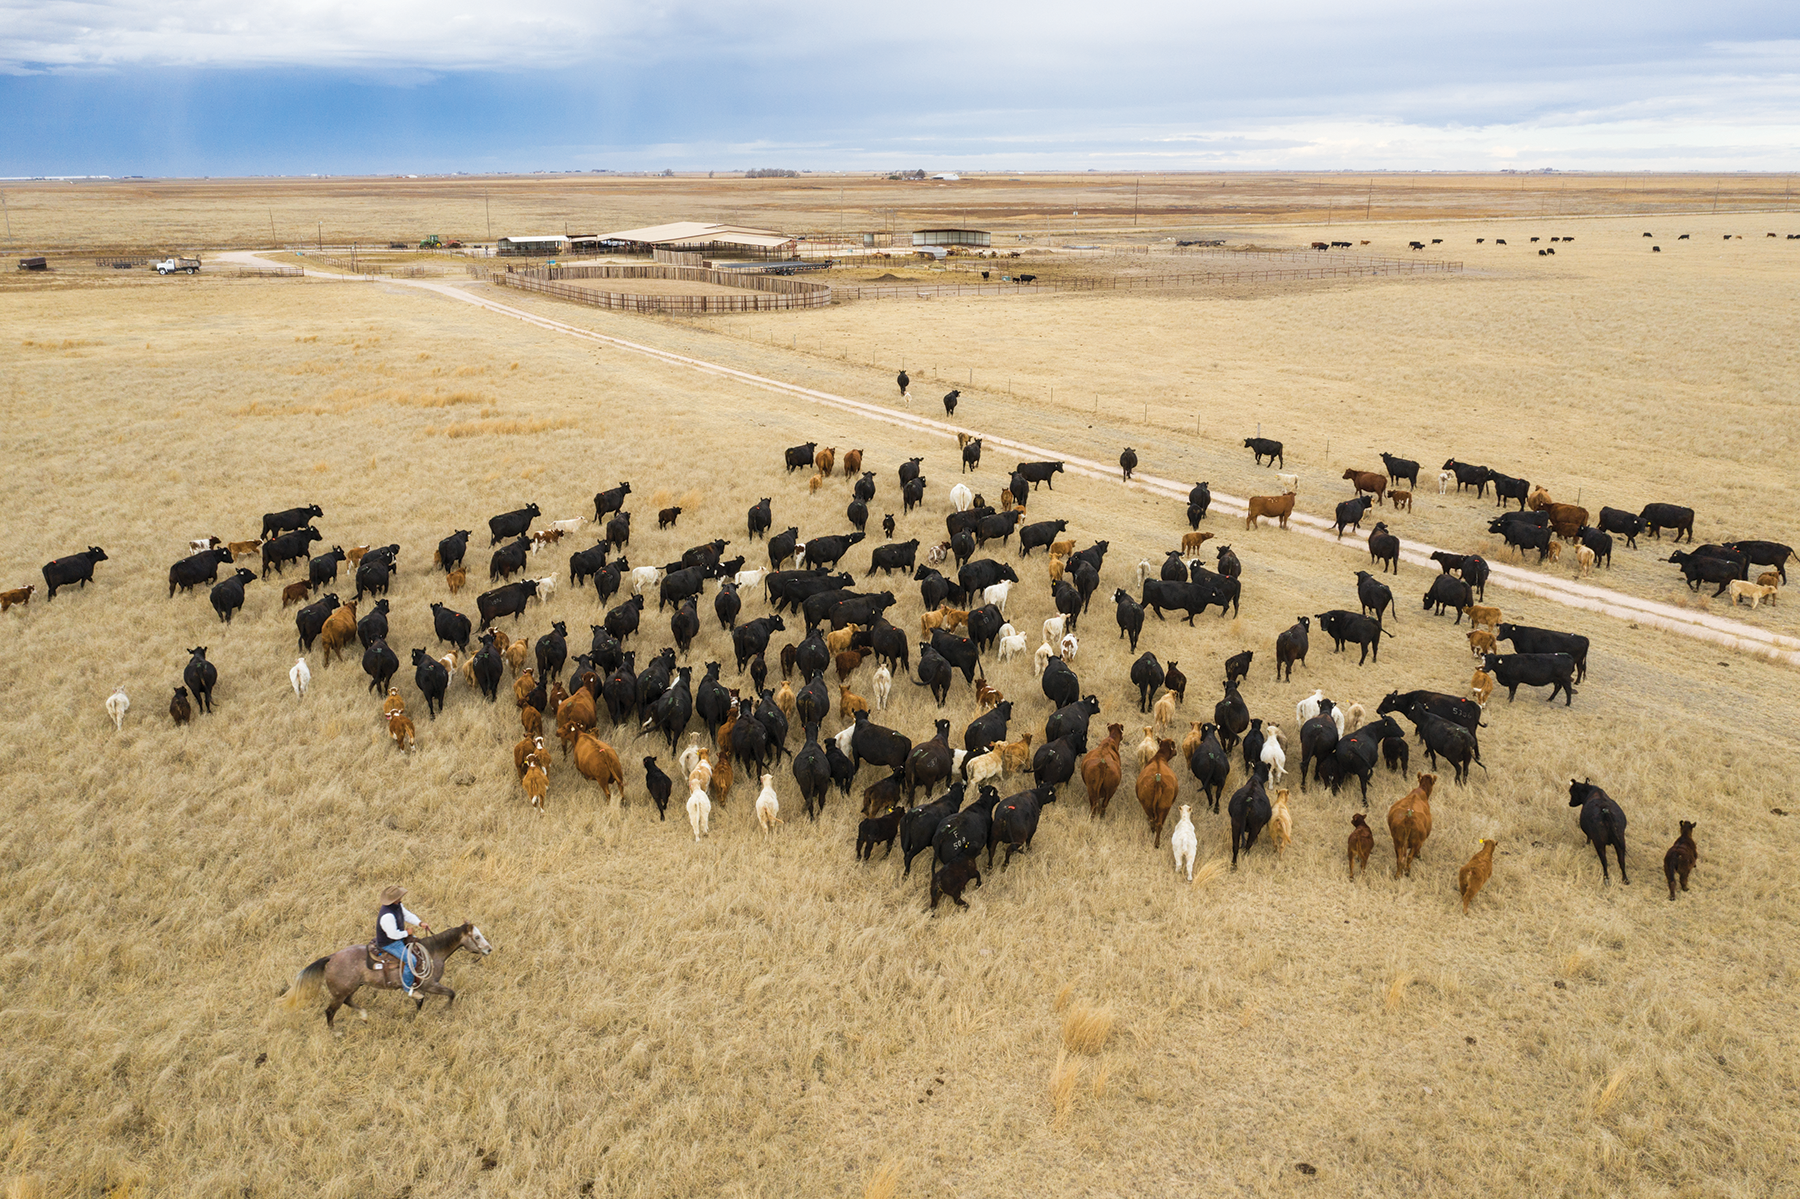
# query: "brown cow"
[1191,542]
[400,729]
[531,720]
[1156,789]
[1370,481]
[596,760]
[1680,859]
[393,703]
[18,595]
[523,686]
[339,630]
[850,703]
[852,463]
[1539,500]
[1279,506]
[1400,499]
[356,554]
[240,548]
[1362,844]
[1476,872]
[825,459]
[294,593]
[1567,520]
[526,747]
[574,716]
[535,782]
[1101,770]
[456,579]
[1409,820]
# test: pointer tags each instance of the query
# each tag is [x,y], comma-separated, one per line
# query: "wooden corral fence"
[764,293]
[125,262]
[909,291]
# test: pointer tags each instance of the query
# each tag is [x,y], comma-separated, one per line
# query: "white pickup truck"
[170,266]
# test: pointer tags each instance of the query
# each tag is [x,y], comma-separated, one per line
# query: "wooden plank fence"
[908,291]
[752,299]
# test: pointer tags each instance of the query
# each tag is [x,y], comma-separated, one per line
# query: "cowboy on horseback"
[393,939]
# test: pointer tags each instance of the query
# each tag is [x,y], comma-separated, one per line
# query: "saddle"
[376,959]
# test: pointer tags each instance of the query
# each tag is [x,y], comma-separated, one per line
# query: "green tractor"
[433,242]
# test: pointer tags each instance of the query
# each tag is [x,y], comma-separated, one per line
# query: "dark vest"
[397,911]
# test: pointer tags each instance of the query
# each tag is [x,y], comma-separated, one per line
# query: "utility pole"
[488,213]
[1369,205]
[1135,190]
[8,212]
[321,237]
[271,228]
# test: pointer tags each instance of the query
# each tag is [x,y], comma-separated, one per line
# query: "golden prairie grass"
[1085,1029]
[664,1018]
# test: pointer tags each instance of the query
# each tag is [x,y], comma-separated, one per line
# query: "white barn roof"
[682,232]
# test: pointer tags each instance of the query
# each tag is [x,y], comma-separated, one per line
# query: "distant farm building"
[537,245]
[680,241]
[952,237]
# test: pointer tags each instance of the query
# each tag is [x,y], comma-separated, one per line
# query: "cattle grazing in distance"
[1263,447]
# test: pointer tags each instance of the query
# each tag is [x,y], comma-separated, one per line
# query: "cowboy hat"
[393,894]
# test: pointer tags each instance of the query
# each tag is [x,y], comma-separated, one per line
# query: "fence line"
[759,300]
[1146,282]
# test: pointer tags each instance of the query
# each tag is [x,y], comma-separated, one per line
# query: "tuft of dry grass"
[1085,1029]
[1394,995]
[1063,1077]
[884,1183]
[1609,1093]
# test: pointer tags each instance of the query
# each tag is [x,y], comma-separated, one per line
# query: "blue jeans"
[398,949]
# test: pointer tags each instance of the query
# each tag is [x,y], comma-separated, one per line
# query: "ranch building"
[952,237]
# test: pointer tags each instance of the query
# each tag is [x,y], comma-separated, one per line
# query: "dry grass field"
[751,1017]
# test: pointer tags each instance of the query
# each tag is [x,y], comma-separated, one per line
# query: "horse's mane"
[448,937]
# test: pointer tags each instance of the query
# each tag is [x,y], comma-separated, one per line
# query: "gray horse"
[344,971]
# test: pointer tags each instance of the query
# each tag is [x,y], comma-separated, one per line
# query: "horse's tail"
[306,984]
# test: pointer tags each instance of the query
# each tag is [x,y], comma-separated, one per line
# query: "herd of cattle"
[964,627]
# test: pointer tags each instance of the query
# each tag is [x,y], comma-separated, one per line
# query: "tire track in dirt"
[1716,630]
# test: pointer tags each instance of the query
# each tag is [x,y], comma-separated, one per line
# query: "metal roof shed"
[952,237]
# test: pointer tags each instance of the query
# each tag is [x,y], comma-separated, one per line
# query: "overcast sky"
[229,87]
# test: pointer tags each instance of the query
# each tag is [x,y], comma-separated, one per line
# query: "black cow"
[1447,591]
[506,561]
[909,470]
[613,500]
[1238,665]
[585,564]
[1020,488]
[618,530]
[311,619]
[228,596]
[487,666]
[1469,476]
[1262,447]
[451,549]
[1015,821]
[1522,536]
[963,836]
[293,518]
[288,547]
[1250,812]
[195,569]
[1527,640]
[984,626]
[451,626]
[1600,543]
[512,524]
[1043,532]
[864,488]
[1457,710]
[800,457]
[1232,715]
[671,711]
[983,573]
[971,455]
[323,568]
[201,677]
[373,626]
[760,518]
[812,773]
[960,652]
[1000,525]
[1375,595]
[1401,468]
[1657,517]
[1210,765]
[1060,684]
[1366,631]
[504,601]
[680,585]
[1358,752]
[1616,520]
[950,399]
[1174,568]
[1039,472]
[878,746]
[552,650]
[1199,498]
[1054,764]
[934,673]
[380,663]
[1508,488]
[1318,744]
[1128,462]
[1697,569]
[432,680]
[1764,553]
[1603,822]
[823,553]
[1472,568]
[1130,615]
[623,620]
[1350,514]
[1384,548]
[1511,671]
[608,577]
[727,604]
[912,494]
[889,643]
[918,828]
[1290,647]
[1446,739]
[372,575]
[928,763]
[987,729]
[1071,722]
[858,515]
